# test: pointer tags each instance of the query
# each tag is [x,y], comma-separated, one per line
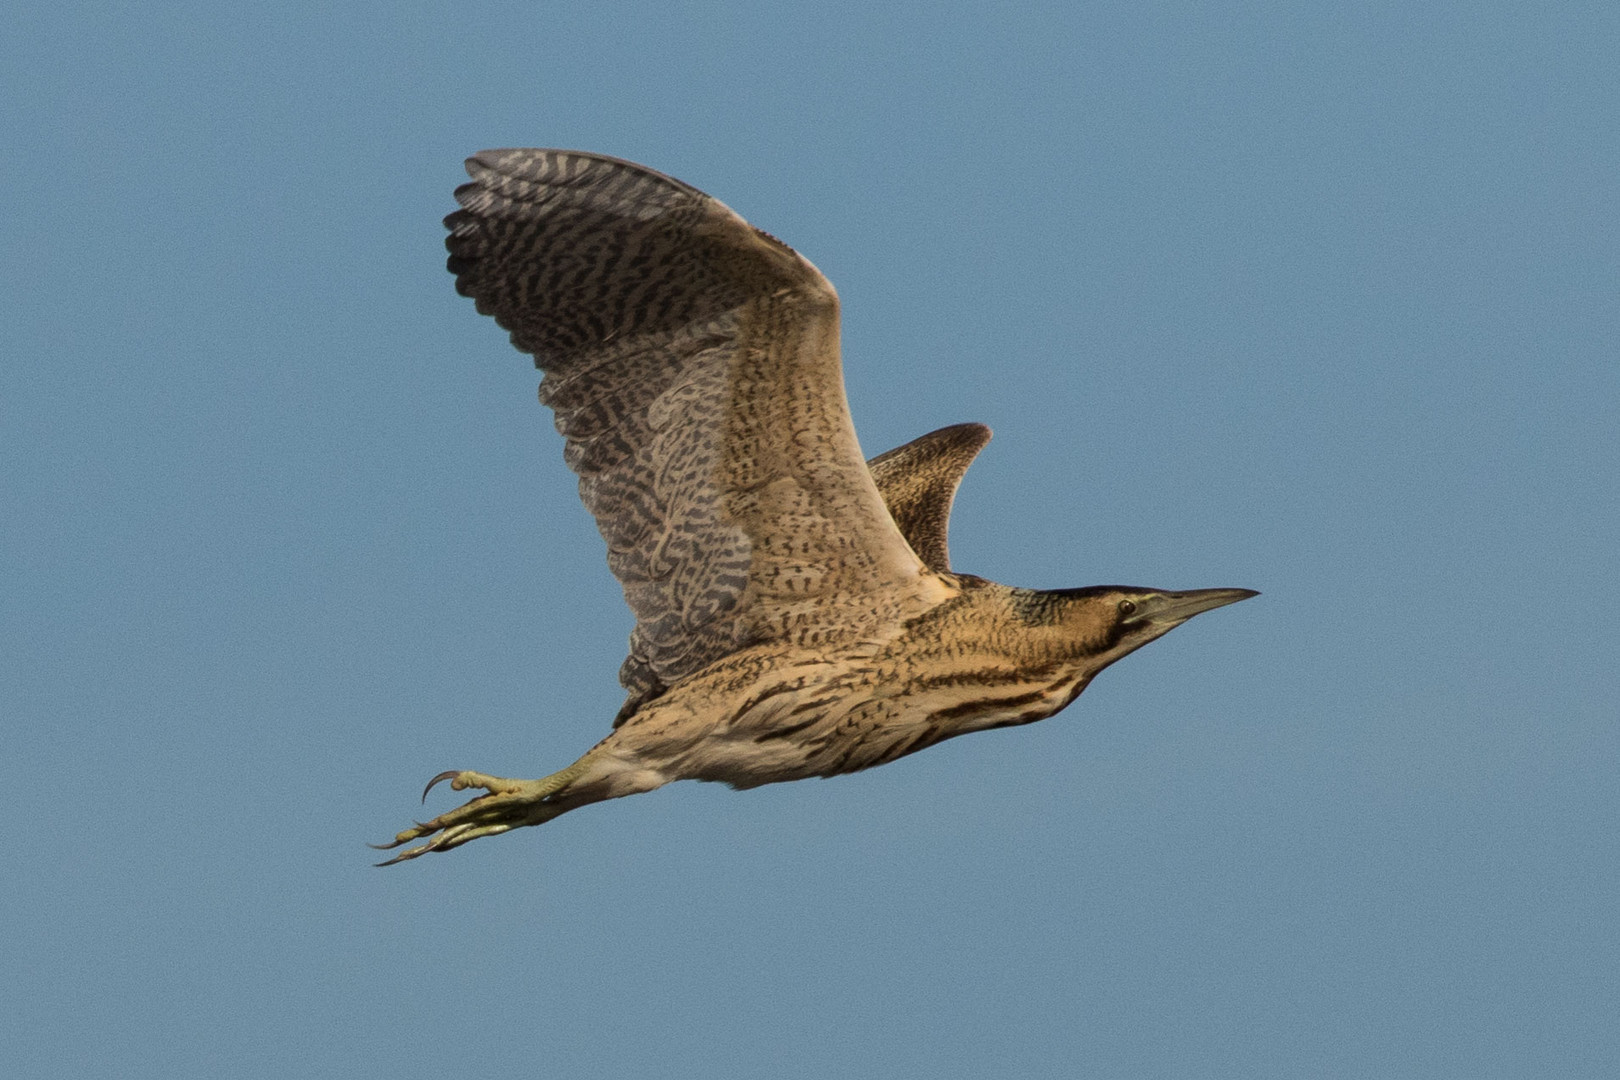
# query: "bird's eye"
[1127,607]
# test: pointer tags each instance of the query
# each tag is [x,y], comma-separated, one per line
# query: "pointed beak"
[1174,608]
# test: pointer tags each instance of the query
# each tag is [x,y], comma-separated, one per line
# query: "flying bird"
[796,614]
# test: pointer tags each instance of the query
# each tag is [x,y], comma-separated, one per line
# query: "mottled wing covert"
[692,362]
[918,482]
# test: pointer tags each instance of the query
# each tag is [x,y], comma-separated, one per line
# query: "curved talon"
[401,857]
[448,774]
[417,830]
[452,837]
[405,837]
[505,805]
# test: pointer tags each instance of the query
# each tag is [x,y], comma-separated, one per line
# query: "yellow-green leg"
[509,804]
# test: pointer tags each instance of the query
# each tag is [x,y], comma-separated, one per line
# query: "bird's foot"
[509,804]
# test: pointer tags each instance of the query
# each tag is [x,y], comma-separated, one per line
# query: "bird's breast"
[822,717]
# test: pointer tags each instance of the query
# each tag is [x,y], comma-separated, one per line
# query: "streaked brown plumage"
[796,614]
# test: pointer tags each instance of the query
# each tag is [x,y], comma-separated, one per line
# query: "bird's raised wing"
[692,361]
[918,481]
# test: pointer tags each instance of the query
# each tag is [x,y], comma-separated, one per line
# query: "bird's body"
[769,714]
[796,612]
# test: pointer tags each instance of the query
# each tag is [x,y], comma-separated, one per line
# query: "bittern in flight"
[796,613]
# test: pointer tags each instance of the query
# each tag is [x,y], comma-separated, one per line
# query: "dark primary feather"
[692,362]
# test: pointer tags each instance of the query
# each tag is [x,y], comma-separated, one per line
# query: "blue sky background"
[1321,300]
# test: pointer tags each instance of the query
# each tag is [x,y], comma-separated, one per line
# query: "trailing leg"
[512,804]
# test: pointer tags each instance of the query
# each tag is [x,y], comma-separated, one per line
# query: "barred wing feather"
[692,362]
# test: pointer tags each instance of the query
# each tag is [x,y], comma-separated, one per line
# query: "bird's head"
[1102,623]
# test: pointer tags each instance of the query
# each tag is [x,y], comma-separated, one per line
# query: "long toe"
[508,804]
[452,837]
